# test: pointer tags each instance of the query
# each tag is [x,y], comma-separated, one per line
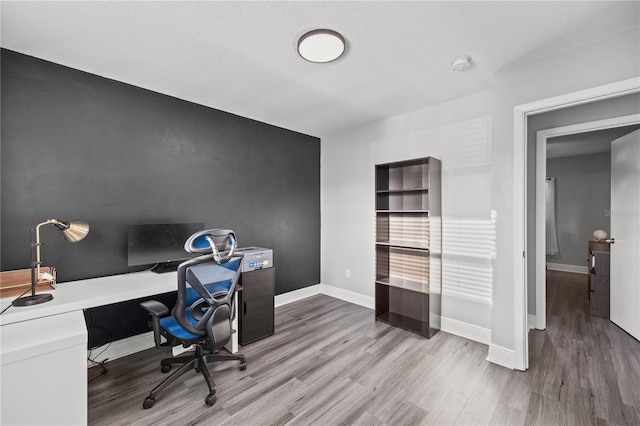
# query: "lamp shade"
[73,231]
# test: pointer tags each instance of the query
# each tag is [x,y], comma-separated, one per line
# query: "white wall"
[457,133]
[348,157]
[608,61]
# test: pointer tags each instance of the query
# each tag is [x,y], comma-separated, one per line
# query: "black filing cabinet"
[256,319]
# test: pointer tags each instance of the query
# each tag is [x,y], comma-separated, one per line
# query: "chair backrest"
[221,243]
[207,284]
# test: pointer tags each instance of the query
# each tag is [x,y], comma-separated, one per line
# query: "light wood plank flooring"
[330,363]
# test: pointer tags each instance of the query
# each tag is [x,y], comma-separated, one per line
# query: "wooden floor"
[330,363]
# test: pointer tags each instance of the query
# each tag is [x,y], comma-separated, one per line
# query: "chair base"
[198,361]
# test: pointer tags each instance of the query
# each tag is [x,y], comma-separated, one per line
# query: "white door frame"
[541,199]
[520,115]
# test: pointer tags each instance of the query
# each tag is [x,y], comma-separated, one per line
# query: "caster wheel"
[243,366]
[165,368]
[148,402]
[210,400]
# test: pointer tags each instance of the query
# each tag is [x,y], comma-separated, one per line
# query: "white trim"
[141,342]
[598,93]
[562,268]
[448,325]
[466,330]
[502,356]
[541,174]
[531,322]
[295,295]
[349,296]
[520,358]
[144,341]
[521,113]
[541,236]
[337,292]
[124,347]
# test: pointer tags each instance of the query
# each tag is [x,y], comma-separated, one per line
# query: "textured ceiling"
[240,57]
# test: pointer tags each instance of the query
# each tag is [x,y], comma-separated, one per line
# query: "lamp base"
[32,300]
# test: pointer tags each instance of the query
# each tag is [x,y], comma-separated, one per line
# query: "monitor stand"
[165,267]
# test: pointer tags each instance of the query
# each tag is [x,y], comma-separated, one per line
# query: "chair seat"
[171,326]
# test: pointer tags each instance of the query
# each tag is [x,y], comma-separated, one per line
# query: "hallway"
[582,368]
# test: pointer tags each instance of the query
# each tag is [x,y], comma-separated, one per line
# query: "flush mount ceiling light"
[461,63]
[321,46]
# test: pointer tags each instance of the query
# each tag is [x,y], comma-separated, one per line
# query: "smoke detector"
[461,63]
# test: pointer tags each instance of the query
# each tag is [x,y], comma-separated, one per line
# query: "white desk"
[43,348]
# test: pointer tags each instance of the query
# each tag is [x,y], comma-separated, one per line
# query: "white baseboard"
[337,292]
[141,342]
[448,325]
[123,347]
[295,295]
[531,321]
[134,344]
[466,330]
[502,356]
[567,268]
[348,296]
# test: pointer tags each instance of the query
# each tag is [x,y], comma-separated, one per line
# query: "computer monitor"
[160,244]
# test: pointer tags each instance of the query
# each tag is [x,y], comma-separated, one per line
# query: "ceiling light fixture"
[461,63]
[321,46]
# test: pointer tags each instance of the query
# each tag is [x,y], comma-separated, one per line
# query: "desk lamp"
[72,232]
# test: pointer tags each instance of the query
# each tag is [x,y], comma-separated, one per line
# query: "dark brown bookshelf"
[392,191]
[403,244]
[408,248]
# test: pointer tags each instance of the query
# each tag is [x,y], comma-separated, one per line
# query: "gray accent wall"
[77,146]
[583,195]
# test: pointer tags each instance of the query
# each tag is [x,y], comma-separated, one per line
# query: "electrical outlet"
[347,273]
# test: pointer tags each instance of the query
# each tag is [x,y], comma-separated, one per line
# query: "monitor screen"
[160,243]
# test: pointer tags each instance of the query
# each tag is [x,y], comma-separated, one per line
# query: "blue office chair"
[204,309]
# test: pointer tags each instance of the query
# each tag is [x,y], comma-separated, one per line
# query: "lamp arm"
[34,256]
[71,231]
[36,261]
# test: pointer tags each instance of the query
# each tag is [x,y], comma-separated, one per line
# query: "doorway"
[521,115]
[583,138]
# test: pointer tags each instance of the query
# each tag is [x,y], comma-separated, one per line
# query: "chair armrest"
[156,309]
